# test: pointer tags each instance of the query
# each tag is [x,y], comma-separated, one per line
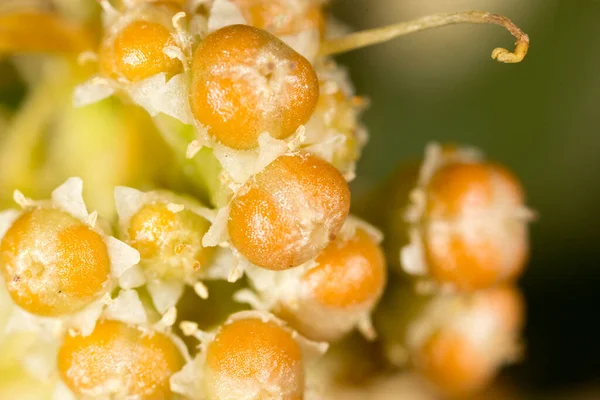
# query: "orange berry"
[170,243]
[507,304]
[454,365]
[349,272]
[246,81]
[289,211]
[136,51]
[464,353]
[472,234]
[459,187]
[119,360]
[339,291]
[283,17]
[253,359]
[52,263]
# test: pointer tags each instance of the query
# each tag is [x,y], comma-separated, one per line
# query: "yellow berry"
[283,17]
[169,242]
[119,360]
[52,263]
[472,234]
[289,211]
[253,359]
[136,51]
[349,272]
[245,82]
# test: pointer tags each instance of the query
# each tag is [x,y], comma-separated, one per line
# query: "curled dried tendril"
[383,34]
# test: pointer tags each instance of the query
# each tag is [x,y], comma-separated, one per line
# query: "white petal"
[239,164]
[132,278]
[186,381]
[206,213]
[85,320]
[91,92]
[128,308]
[169,318]
[326,147]
[127,202]
[224,13]
[412,258]
[305,42]
[165,294]
[143,93]
[221,264]
[173,99]
[217,232]
[353,223]
[122,256]
[157,95]
[68,197]
[269,149]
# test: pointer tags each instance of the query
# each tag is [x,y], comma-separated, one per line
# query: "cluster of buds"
[229,277]
[456,240]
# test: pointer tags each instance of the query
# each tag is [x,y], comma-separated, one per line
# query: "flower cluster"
[229,263]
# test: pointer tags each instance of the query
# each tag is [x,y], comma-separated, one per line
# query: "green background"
[541,118]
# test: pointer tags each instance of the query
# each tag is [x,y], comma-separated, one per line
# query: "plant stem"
[203,169]
[25,129]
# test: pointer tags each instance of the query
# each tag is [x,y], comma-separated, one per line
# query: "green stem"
[203,169]
[25,129]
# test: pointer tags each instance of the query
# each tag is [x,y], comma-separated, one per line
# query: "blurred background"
[541,118]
